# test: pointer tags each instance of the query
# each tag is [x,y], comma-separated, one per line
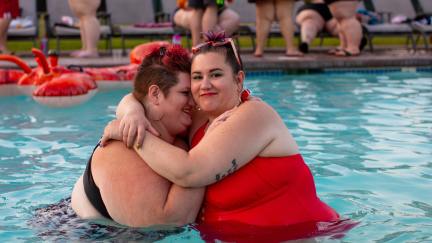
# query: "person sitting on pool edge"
[314,17]
[117,184]
[204,15]
[249,160]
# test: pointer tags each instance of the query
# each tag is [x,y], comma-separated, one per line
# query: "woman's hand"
[219,120]
[133,126]
[111,131]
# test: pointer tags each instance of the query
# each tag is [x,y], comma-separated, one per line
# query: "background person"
[268,11]
[85,11]
[350,30]
[117,184]
[8,10]
[201,16]
[313,17]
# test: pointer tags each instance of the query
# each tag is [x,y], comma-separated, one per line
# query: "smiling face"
[214,86]
[177,105]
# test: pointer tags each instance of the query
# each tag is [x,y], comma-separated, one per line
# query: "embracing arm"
[182,204]
[228,147]
[128,105]
[133,121]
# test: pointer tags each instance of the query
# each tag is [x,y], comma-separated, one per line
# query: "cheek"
[195,91]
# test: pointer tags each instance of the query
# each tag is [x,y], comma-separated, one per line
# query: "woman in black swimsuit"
[350,30]
[312,18]
[117,184]
[207,15]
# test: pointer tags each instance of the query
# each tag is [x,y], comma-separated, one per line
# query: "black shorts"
[320,8]
[201,3]
[328,2]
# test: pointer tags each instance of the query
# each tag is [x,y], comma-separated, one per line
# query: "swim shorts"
[320,8]
[201,3]
[328,2]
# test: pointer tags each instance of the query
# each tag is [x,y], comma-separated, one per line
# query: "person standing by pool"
[266,12]
[8,10]
[89,25]
[242,151]
[117,184]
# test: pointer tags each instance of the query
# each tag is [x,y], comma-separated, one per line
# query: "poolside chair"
[423,8]
[55,29]
[28,10]
[138,19]
[387,9]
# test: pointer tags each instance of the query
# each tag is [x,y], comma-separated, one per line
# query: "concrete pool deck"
[275,59]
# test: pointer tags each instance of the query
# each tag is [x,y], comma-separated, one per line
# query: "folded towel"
[20,23]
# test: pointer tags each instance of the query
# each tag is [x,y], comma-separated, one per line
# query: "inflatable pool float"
[9,82]
[57,86]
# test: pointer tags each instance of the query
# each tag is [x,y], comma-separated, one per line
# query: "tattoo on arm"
[231,170]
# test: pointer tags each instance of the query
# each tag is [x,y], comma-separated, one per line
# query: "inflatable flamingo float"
[57,86]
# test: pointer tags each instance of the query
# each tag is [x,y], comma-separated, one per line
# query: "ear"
[240,79]
[154,94]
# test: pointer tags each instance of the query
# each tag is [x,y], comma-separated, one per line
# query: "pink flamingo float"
[57,86]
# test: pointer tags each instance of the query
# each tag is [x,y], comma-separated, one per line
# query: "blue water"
[366,137]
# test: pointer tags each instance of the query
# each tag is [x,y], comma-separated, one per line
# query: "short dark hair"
[160,68]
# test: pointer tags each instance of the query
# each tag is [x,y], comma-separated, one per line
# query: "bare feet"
[346,53]
[258,53]
[333,51]
[85,54]
[293,53]
[75,53]
[7,52]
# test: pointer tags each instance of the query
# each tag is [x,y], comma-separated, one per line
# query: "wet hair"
[226,50]
[160,68]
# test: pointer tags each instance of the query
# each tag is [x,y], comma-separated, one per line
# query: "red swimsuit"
[268,191]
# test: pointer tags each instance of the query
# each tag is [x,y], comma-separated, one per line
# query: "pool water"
[366,137]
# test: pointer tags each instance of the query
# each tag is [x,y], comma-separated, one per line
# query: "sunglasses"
[230,41]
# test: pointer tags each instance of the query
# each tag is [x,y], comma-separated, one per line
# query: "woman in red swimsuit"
[8,11]
[242,151]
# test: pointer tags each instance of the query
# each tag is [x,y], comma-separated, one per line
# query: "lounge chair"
[31,32]
[423,8]
[387,9]
[138,19]
[56,29]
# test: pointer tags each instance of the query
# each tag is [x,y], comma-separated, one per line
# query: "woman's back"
[132,192]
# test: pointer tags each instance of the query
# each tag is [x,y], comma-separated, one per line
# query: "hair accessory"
[162,51]
[217,43]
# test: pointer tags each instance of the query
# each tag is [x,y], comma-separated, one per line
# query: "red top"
[267,191]
[9,9]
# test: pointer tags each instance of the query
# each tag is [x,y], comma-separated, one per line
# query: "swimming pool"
[366,137]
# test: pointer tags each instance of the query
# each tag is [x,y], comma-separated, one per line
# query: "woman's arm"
[133,121]
[181,206]
[232,144]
